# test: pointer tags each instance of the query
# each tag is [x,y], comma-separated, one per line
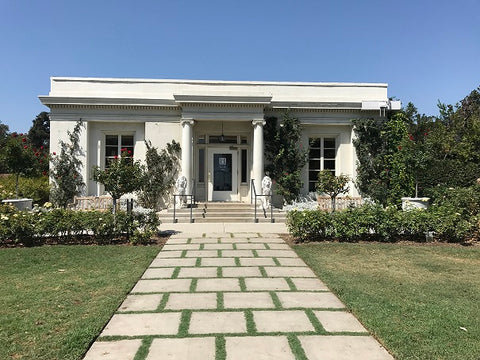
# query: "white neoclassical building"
[219,125]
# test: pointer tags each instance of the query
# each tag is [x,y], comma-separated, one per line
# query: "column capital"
[190,122]
[260,122]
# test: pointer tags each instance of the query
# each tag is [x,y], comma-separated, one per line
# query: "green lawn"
[54,300]
[422,302]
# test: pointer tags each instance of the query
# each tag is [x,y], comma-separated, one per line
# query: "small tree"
[332,185]
[160,175]
[285,155]
[20,158]
[123,176]
[67,181]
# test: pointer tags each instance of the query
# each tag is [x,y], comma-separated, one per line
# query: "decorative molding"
[258,123]
[243,99]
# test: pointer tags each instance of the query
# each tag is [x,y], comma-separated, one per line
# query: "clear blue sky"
[425,50]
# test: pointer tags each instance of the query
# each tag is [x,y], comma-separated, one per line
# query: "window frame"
[321,159]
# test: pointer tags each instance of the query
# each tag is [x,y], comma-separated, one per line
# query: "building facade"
[219,125]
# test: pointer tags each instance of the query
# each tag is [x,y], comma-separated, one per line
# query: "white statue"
[181,188]
[266,190]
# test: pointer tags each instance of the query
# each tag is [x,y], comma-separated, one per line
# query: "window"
[321,156]
[114,145]
[244,166]
[201,165]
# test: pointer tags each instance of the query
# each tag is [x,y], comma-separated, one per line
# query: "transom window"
[114,145]
[321,156]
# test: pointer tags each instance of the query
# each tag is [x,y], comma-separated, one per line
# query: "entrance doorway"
[222,175]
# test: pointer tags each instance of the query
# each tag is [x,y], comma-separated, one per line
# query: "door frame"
[222,195]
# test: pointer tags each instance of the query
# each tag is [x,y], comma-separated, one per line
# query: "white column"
[258,154]
[187,152]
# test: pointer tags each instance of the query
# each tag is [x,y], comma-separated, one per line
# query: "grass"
[421,302]
[54,300]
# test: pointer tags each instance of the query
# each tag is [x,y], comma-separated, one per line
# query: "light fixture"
[222,137]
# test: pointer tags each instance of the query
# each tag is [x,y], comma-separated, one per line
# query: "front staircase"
[220,212]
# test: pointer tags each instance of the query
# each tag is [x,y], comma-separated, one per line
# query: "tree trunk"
[333,203]
[114,210]
[16,185]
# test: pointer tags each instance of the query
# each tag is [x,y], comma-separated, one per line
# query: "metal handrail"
[192,202]
[253,193]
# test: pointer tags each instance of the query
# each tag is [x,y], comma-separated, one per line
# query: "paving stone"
[192,301]
[234,240]
[277,253]
[309,284]
[282,321]
[256,261]
[218,246]
[339,347]
[169,254]
[218,285]
[173,262]
[163,285]
[202,253]
[113,350]
[253,284]
[198,272]
[170,247]
[153,273]
[269,240]
[258,348]
[172,240]
[279,247]
[245,300]
[291,262]
[141,302]
[237,253]
[217,322]
[202,348]
[204,240]
[249,235]
[309,300]
[218,262]
[241,271]
[143,324]
[289,271]
[250,246]
[338,321]
[269,235]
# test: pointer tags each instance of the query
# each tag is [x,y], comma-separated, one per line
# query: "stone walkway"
[232,296]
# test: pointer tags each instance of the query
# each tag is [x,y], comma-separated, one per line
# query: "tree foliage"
[284,154]
[67,181]
[39,133]
[123,176]
[160,174]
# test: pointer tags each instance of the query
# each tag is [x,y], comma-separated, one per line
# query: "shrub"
[36,188]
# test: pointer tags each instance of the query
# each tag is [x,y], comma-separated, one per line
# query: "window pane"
[313,175]
[314,142]
[127,140]
[329,164]
[214,139]
[244,165]
[314,165]
[329,153]
[111,140]
[311,186]
[111,150]
[314,154]
[329,143]
[201,165]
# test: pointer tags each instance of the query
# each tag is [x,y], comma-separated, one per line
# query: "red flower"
[41,147]
[24,140]
[115,157]
[25,147]
[44,173]
[425,134]
[129,152]
[54,153]
[399,148]
[410,137]
[14,135]
[40,161]
[36,154]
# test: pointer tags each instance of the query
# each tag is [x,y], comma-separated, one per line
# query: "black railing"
[192,202]
[254,195]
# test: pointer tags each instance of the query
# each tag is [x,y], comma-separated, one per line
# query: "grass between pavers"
[55,299]
[422,302]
